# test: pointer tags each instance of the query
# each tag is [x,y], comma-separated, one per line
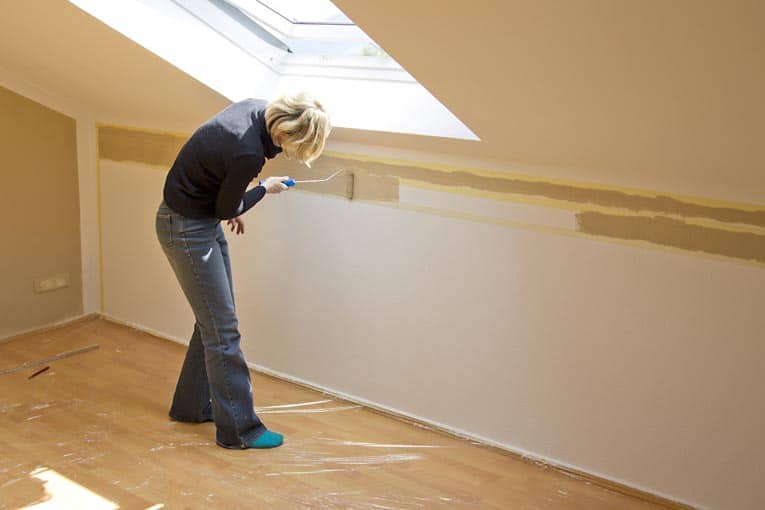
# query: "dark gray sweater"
[214,167]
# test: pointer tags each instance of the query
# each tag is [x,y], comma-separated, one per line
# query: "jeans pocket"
[164,228]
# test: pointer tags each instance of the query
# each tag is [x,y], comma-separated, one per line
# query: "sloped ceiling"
[60,48]
[659,94]
[670,93]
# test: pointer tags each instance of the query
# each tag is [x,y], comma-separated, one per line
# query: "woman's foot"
[267,439]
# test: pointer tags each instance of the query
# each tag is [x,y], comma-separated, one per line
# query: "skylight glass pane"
[329,34]
[301,11]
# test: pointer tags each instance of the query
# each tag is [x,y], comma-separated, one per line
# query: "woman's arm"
[272,185]
[233,198]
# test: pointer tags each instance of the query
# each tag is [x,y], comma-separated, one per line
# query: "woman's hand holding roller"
[275,184]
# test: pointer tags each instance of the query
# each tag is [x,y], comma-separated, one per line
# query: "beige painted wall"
[40,209]
[632,362]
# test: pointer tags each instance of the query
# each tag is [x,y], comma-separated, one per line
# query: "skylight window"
[288,35]
[265,48]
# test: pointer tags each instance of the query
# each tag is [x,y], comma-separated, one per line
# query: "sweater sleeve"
[233,197]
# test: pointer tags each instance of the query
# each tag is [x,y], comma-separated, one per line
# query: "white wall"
[641,365]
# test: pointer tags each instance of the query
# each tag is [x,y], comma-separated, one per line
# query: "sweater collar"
[270,150]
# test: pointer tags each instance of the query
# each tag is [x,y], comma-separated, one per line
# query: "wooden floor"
[92,432]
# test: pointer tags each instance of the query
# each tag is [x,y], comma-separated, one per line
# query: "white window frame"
[379,98]
[380,68]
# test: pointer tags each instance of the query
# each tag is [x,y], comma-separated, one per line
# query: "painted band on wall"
[690,224]
[675,233]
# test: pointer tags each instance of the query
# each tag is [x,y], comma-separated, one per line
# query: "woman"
[206,184]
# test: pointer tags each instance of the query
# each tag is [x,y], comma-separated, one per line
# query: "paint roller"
[292,182]
[349,191]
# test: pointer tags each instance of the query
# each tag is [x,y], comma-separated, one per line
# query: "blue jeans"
[215,381]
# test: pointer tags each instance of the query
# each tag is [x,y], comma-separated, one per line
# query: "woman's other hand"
[275,184]
[236,224]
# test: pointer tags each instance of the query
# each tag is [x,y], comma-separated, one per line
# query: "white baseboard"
[38,329]
[139,327]
[419,421]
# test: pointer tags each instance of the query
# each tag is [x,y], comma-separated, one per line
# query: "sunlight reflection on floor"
[65,493]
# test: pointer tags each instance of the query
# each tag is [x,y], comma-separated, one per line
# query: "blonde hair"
[299,124]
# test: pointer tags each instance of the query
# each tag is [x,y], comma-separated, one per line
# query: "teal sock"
[267,439]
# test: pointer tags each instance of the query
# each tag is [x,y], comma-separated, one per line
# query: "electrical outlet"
[51,283]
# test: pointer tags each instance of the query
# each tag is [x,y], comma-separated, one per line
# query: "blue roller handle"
[287,182]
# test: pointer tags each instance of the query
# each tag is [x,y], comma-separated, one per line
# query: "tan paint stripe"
[374,180]
[661,204]
[715,203]
[712,228]
[161,149]
[550,204]
[362,185]
[675,233]
[119,144]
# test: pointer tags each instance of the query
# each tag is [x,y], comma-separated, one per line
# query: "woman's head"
[299,124]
